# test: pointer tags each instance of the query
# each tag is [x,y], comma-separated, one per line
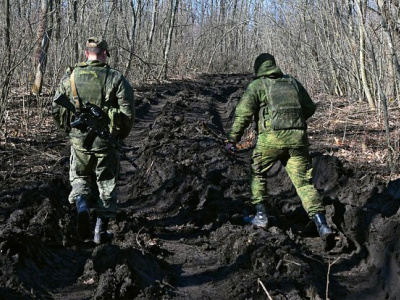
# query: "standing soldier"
[96,82]
[280,106]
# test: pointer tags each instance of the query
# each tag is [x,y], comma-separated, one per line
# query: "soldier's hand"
[230,148]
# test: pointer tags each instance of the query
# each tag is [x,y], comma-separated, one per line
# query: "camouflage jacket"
[249,107]
[105,87]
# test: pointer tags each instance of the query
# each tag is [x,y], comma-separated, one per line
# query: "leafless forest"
[347,48]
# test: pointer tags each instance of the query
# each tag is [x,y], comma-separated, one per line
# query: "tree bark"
[388,34]
[44,35]
[5,85]
[382,95]
[154,15]
[168,41]
[132,34]
[363,73]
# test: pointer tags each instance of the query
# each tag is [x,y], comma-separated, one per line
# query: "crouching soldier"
[94,84]
[280,105]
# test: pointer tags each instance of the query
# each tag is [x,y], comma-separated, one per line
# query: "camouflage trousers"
[298,166]
[103,168]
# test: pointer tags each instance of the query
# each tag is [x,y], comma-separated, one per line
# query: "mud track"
[180,232]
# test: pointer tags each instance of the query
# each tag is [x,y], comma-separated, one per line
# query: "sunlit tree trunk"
[132,34]
[376,78]
[44,35]
[371,102]
[154,15]
[108,17]
[168,40]
[394,59]
[75,29]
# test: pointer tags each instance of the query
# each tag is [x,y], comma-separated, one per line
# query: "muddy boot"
[101,234]
[325,232]
[260,219]
[83,224]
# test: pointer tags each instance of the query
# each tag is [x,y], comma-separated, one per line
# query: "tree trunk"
[386,30]
[5,85]
[382,95]
[132,35]
[154,15]
[363,73]
[168,41]
[44,35]
[109,14]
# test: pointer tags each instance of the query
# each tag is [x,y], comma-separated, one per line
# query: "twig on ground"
[148,170]
[137,237]
[263,286]
[310,257]
[292,262]
[279,264]
[327,276]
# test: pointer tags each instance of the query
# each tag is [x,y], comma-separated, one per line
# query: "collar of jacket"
[95,63]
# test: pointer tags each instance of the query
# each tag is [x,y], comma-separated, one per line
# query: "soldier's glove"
[230,148]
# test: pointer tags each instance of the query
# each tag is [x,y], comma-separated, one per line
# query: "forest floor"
[179,233]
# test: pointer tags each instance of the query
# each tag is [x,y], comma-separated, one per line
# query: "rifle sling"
[75,95]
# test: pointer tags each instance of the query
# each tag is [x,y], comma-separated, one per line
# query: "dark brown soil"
[180,232]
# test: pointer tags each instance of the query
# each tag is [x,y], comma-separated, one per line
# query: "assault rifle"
[96,121]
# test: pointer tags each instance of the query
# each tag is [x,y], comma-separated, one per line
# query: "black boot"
[101,234]
[322,226]
[83,224]
[260,219]
[324,231]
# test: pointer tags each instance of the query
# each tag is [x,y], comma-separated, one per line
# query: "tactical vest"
[281,105]
[90,83]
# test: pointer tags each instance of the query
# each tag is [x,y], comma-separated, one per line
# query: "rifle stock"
[88,142]
[65,102]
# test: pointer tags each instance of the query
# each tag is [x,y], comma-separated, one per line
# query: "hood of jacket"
[268,68]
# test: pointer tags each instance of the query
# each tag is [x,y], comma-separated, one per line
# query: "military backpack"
[281,106]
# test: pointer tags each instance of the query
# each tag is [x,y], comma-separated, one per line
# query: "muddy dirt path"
[180,232]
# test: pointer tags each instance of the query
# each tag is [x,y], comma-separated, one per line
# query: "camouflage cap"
[97,42]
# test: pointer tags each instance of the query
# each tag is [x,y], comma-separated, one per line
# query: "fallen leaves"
[349,130]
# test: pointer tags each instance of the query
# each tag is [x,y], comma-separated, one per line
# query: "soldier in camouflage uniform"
[280,106]
[96,82]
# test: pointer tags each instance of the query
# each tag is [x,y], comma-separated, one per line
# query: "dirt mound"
[180,233]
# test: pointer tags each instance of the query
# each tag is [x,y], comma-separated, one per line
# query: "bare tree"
[6,64]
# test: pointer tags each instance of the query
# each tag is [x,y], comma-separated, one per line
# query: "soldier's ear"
[86,53]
